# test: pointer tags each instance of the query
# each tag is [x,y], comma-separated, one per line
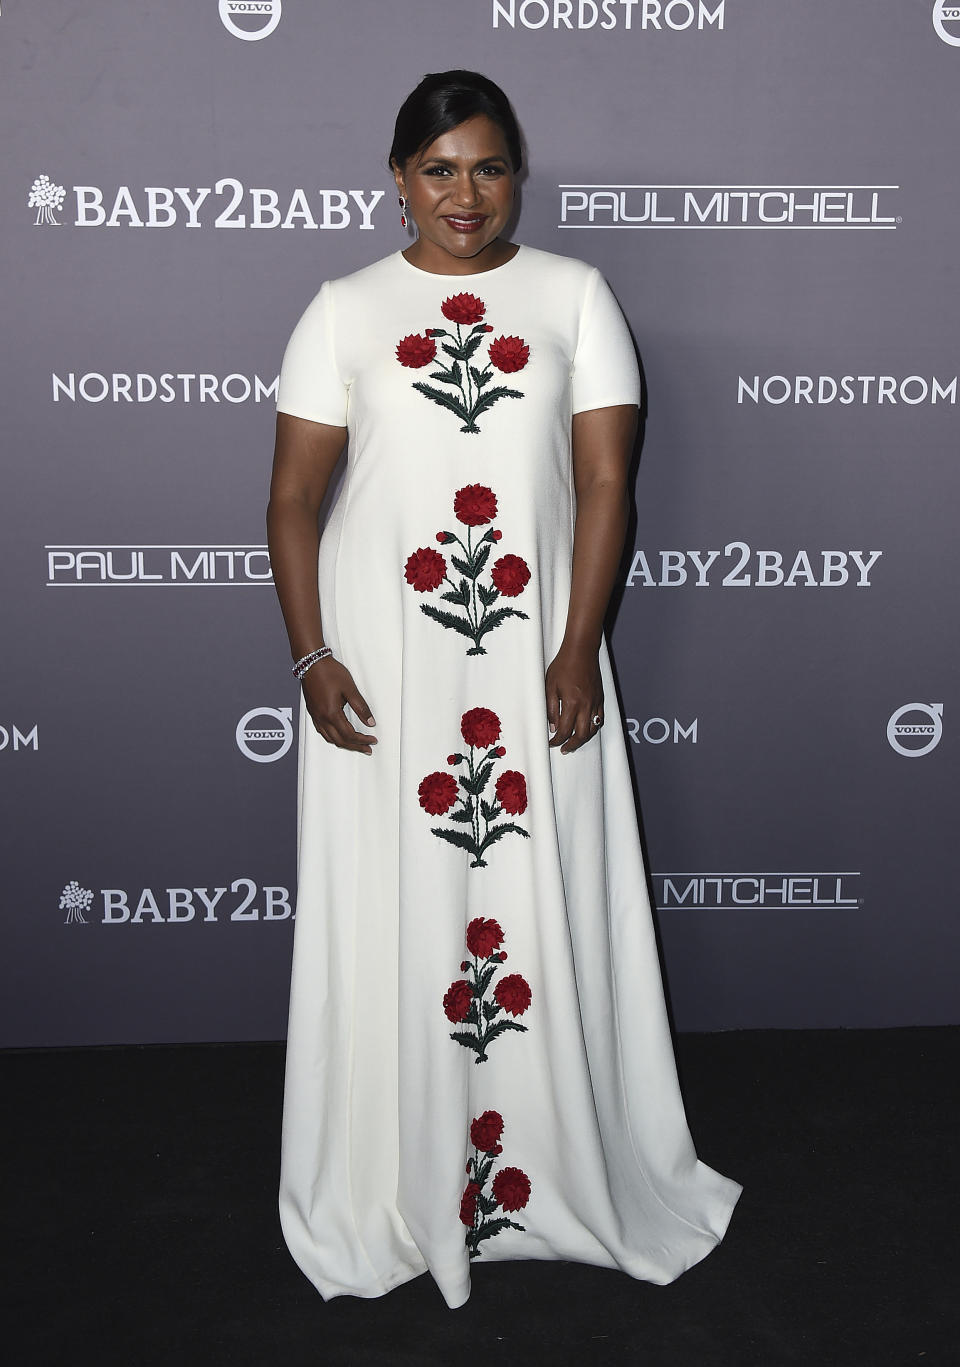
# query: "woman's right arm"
[305,457]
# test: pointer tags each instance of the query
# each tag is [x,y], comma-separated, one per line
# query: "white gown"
[478,1063]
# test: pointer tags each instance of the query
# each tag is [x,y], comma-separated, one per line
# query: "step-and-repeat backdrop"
[770,189]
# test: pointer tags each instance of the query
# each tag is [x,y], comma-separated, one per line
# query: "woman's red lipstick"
[468,223]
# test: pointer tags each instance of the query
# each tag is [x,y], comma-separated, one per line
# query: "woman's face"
[459,190]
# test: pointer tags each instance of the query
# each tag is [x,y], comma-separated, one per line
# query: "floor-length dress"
[478,1064]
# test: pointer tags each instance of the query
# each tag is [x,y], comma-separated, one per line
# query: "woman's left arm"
[602,443]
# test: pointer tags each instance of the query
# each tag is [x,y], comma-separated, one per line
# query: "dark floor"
[141,1221]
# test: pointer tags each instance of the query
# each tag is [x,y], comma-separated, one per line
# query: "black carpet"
[141,1227]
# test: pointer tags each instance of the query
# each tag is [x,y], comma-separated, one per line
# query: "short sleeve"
[605,370]
[310,383]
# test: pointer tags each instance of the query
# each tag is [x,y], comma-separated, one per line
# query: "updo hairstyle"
[444,100]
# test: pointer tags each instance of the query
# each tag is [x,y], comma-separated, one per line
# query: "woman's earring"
[403,212]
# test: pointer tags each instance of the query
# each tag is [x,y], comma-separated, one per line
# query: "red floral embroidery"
[468,1203]
[486,1130]
[416,351]
[511,789]
[483,937]
[482,1018]
[480,726]
[511,575]
[510,1189]
[425,569]
[474,505]
[474,821]
[509,354]
[466,390]
[463,308]
[513,994]
[437,793]
[457,1000]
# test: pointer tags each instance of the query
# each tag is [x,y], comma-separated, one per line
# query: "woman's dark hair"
[443,101]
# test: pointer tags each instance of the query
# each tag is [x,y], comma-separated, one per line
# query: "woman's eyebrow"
[451,161]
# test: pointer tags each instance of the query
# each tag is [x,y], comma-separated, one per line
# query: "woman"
[443,1105]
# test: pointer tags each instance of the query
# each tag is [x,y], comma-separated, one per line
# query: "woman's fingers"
[553,707]
[327,693]
[360,707]
[566,725]
[578,724]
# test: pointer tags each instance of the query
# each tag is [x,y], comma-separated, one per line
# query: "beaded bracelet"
[305,661]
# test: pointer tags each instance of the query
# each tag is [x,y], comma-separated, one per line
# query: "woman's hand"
[327,687]
[574,697]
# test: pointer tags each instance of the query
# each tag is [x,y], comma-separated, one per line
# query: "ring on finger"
[597,719]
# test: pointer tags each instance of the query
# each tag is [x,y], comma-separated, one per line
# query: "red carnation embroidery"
[474,505]
[468,1203]
[511,1188]
[480,727]
[511,575]
[509,354]
[512,791]
[470,606]
[483,937]
[513,993]
[486,1130]
[460,381]
[437,793]
[457,1000]
[463,308]
[488,1008]
[476,823]
[416,351]
[426,569]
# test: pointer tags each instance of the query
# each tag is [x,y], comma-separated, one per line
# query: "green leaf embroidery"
[459,596]
[498,1029]
[448,619]
[496,833]
[461,566]
[494,618]
[467,1040]
[485,977]
[489,1228]
[444,400]
[458,838]
[490,397]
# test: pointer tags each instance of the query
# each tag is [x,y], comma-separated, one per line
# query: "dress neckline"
[472,275]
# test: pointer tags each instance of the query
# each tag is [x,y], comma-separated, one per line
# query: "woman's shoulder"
[367,278]
[563,270]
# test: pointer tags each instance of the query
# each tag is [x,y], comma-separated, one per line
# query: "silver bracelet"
[305,661]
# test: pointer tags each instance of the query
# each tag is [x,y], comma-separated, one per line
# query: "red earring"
[403,212]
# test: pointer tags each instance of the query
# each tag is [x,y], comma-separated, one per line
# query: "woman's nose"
[465,191]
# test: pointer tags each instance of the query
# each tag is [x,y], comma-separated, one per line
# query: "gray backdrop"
[771,190]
